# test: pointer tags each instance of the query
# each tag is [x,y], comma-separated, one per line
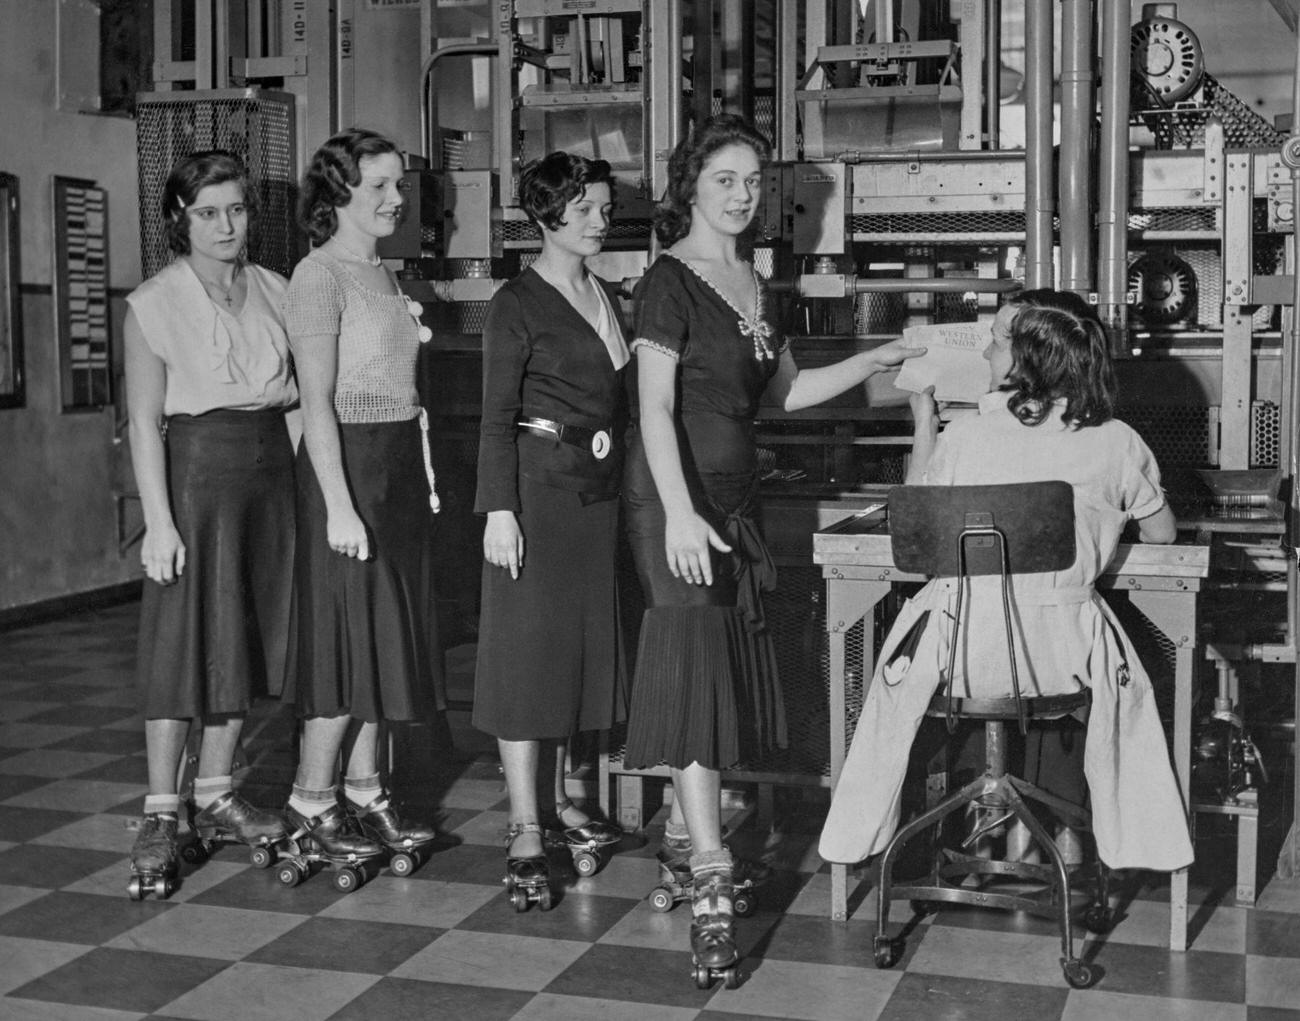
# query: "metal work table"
[1163,582]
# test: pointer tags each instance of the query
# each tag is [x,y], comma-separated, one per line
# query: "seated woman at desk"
[1050,415]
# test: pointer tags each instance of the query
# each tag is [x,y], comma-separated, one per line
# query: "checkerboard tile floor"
[443,943]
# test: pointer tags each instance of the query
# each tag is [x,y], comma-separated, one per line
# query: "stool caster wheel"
[194,853]
[261,857]
[1078,974]
[403,864]
[921,908]
[885,952]
[661,900]
[347,880]
[586,863]
[744,905]
[290,874]
[1098,920]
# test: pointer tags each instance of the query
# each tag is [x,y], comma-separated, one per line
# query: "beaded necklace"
[753,326]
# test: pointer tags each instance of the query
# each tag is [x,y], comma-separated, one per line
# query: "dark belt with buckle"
[597,441]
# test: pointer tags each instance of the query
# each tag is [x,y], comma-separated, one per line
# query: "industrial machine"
[916,177]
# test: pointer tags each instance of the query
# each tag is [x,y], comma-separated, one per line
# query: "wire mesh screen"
[1183,125]
[921,228]
[1177,434]
[256,126]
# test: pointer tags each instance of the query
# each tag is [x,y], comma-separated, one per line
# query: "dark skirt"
[550,654]
[216,638]
[365,633]
[706,687]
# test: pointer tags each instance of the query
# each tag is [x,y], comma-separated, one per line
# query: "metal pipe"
[993,73]
[426,70]
[1112,184]
[1289,858]
[905,285]
[1074,173]
[1039,197]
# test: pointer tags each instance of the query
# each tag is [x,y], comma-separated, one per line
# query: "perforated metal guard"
[523,232]
[1177,434]
[1183,125]
[258,127]
[1265,434]
[922,228]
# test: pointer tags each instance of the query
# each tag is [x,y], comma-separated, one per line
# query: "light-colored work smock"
[1068,637]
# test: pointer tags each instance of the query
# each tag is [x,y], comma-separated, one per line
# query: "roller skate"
[586,841]
[232,820]
[328,839]
[407,842]
[675,881]
[527,879]
[713,936]
[153,857]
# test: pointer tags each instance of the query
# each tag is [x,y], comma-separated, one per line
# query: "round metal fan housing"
[1167,55]
[1166,288]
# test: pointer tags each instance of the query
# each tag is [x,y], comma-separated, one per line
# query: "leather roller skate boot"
[528,877]
[713,937]
[597,832]
[332,832]
[230,817]
[153,856]
[405,840]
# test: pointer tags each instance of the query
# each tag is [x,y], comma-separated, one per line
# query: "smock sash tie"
[754,570]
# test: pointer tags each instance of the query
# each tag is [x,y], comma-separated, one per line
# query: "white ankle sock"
[208,789]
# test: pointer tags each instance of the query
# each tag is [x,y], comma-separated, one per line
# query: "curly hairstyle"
[1059,352]
[335,168]
[189,177]
[673,214]
[548,184]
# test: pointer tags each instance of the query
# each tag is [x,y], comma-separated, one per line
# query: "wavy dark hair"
[673,214]
[334,168]
[1059,352]
[189,177]
[548,184]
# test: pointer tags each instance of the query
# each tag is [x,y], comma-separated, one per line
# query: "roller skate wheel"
[1078,974]
[585,863]
[261,857]
[194,853]
[743,905]
[703,976]
[661,900]
[403,864]
[289,874]
[544,901]
[518,899]
[731,977]
[135,888]
[164,887]
[346,880]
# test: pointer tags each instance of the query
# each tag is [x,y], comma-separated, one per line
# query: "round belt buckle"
[601,444]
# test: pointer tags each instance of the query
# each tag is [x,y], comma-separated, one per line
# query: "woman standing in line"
[208,381]
[366,645]
[550,464]
[706,694]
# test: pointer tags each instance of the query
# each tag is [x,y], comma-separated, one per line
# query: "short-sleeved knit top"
[723,368]
[378,343]
[216,358]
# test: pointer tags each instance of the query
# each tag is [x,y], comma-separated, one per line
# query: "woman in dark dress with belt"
[706,693]
[550,463]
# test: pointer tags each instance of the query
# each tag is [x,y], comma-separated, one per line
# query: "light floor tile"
[412,902]
[39,1010]
[53,763]
[79,795]
[817,992]
[1146,923]
[22,960]
[263,992]
[1099,1005]
[35,735]
[993,956]
[549,1007]
[13,709]
[16,896]
[474,794]
[621,876]
[196,930]
[484,828]
[1272,982]
[487,959]
[1280,895]
[105,832]
[645,927]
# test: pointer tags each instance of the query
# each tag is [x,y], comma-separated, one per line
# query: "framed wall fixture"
[12,392]
[81,294]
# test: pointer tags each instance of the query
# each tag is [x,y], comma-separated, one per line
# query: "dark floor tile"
[19,824]
[632,974]
[71,692]
[466,863]
[79,715]
[340,944]
[1272,1014]
[79,917]
[52,867]
[12,786]
[410,998]
[718,1015]
[1273,934]
[128,769]
[259,890]
[1155,971]
[809,940]
[930,997]
[36,675]
[116,742]
[576,916]
[121,979]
